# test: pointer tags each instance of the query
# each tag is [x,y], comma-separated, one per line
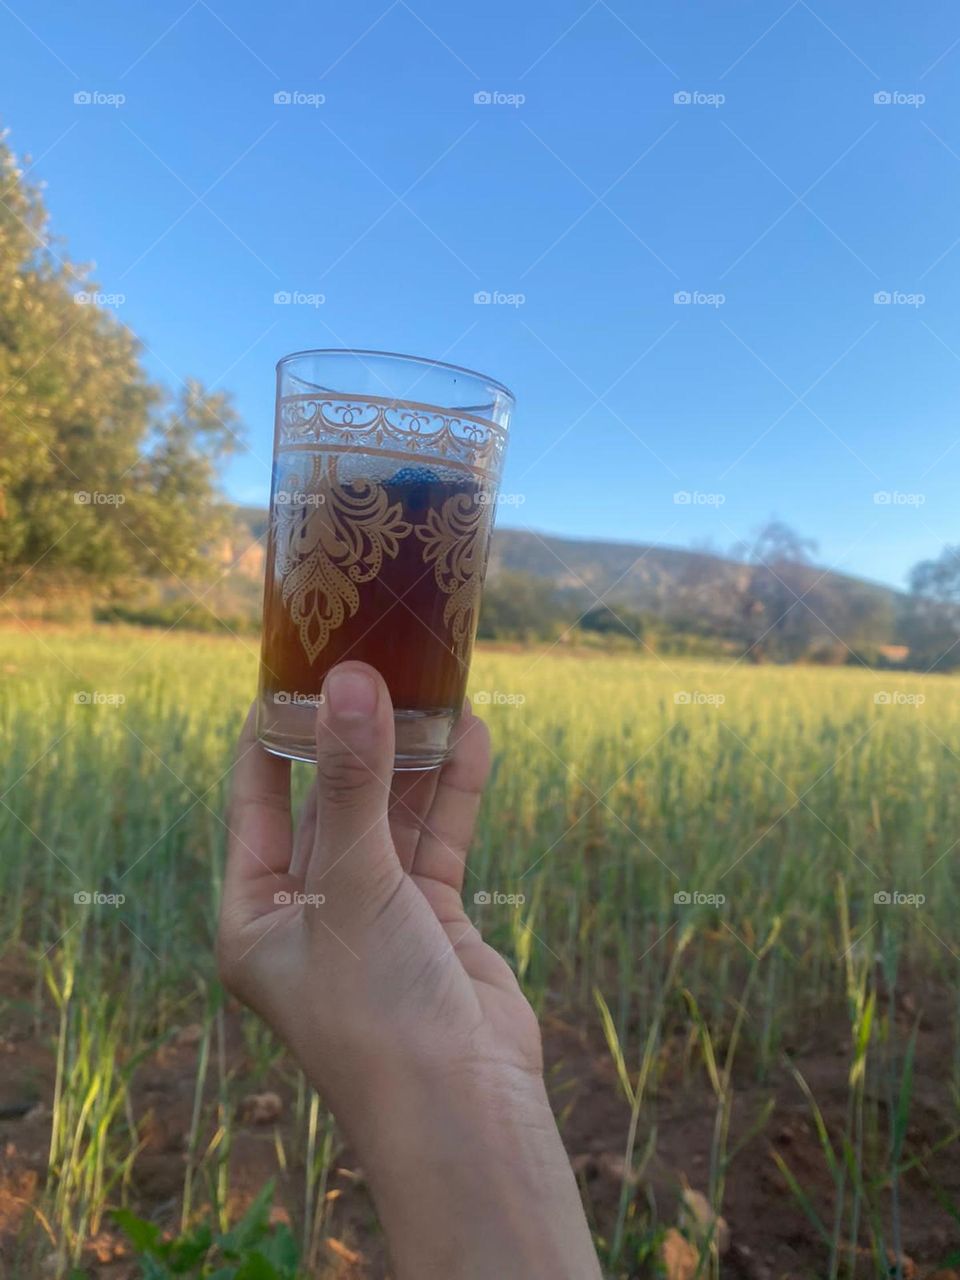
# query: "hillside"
[643,576]
[696,590]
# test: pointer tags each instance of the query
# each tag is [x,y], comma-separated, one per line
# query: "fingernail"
[350,694]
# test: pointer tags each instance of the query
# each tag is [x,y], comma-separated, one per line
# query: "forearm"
[471,1180]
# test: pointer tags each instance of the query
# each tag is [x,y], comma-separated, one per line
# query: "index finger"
[448,826]
[259,824]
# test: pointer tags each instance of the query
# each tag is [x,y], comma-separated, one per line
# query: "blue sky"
[782,188]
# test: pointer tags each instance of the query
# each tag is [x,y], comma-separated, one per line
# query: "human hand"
[349,938]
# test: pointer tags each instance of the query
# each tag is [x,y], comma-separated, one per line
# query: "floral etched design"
[327,548]
[455,541]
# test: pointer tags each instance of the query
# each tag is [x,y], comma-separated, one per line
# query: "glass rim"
[398,355]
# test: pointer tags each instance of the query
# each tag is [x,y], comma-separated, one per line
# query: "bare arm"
[414,1031]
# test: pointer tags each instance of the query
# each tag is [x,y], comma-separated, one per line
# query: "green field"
[779,800]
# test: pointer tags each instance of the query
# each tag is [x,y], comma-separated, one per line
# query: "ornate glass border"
[398,428]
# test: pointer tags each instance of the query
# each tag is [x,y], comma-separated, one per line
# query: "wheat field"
[671,852]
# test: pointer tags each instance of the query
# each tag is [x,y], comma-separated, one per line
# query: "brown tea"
[387,572]
[386,470]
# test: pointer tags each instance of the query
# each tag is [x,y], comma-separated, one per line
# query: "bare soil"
[770,1235]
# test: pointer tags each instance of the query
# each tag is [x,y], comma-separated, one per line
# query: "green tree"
[520,606]
[613,622]
[930,621]
[98,474]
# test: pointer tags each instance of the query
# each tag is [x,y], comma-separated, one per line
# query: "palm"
[431,819]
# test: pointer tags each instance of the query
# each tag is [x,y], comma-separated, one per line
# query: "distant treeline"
[771,605]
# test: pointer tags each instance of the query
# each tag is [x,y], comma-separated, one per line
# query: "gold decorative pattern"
[375,424]
[455,541]
[325,548]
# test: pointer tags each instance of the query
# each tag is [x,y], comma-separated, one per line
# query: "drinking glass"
[385,476]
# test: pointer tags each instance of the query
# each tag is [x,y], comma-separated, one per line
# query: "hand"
[350,939]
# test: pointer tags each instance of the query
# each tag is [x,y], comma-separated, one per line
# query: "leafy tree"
[97,473]
[930,626]
[520,606]
[778,617]
[613,622]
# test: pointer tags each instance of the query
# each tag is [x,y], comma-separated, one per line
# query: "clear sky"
[782,187]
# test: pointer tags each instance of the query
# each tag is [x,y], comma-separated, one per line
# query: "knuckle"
[342,777]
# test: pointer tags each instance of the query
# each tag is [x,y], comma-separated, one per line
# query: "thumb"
[353,851]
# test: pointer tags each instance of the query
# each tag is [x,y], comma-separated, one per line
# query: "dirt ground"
[769,1235]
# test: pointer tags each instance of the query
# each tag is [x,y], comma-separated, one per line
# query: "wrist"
[470,1177]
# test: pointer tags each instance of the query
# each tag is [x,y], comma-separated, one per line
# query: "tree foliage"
[99,472]
[931,624]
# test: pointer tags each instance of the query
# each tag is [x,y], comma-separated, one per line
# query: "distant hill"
[644,576]
[666,582]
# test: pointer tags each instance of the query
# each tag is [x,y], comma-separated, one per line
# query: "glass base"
[422,737]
